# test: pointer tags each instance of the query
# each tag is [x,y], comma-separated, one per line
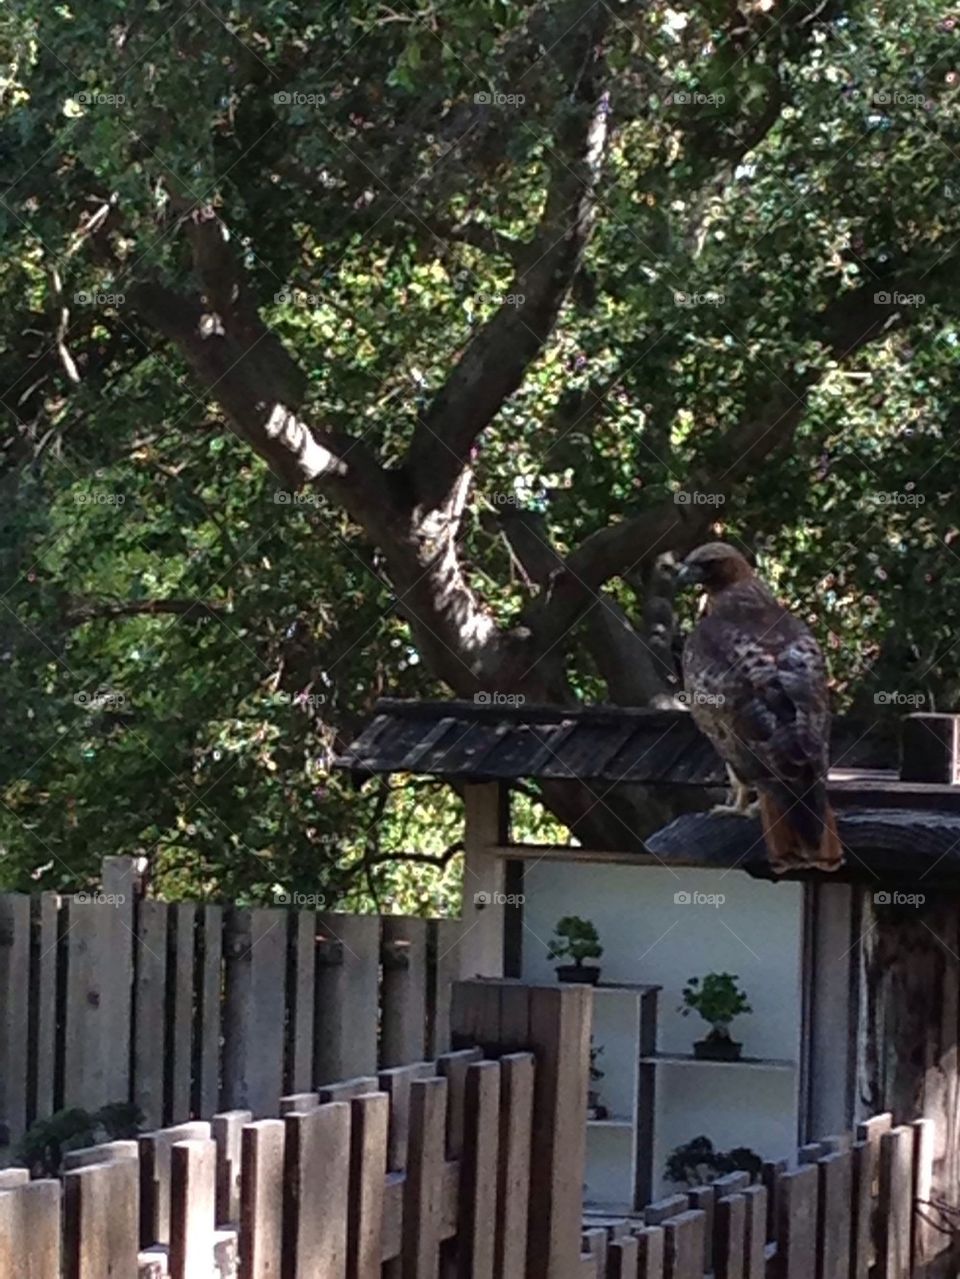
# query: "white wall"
[651,936]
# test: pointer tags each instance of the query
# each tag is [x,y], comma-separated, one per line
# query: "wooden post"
[368,1167]
[404,991]
[895,1206]
[484,882]
[316,1183]
[261,1202]
[347,978]
[797,1233]
[256,948]
[193,1194]
[30,1230]
[14,987]
[100,1220]
[516,1126]
[833,1225]
[554,1023]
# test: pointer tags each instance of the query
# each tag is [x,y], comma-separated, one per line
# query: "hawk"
[756,684]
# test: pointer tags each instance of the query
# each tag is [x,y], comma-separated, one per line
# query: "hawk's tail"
[799,829]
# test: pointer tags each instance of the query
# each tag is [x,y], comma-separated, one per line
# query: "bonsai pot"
[717,1047]
[584,973]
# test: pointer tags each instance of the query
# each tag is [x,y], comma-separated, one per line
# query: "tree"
[441,333]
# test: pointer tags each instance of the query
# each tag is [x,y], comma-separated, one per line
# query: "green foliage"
[697,1163]
[48,1140]
[575,939]
[718,999]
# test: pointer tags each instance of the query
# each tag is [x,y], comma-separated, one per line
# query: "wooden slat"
[703,1198]
[797,1232]
[227,1129]
[453,1067]
[651,1252]
[755,1233]
[622,1259]
[348,1089]
[302,1000]
[106,1153]
[863,1159]
[396,1083]
[121,888]
[476,1235]
[345,1045]
[193,1199]
[446,970]
[206,1078]
[10,1178]
[894,1206]
[298,1102]
[154,1166]
[516,1124]
[180,994]
[261,1199]
[316,1184]
[100,1219]
[594,1245]
[30,1231]
[658,1212]
[683,1246]
[14,1017]
[45,911]
[92,1070]
[772,1172]
[368,1166]
[404,995]
[926,1239]
[149,1008]
[256,972]
[833,1224]
[731,1223]
[425,1163]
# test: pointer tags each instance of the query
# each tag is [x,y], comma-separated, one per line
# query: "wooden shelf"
[688,1059]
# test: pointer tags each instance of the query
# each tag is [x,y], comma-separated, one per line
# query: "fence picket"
[149,1008]
[651,1252]
[683,1245]
[513,1189]
[797,1227]
[368,1167]
[894,1204]
[41,1100]
[14,1015]
[154,1169]
[622,1259]
[180,990]
[425,1163]
[731,1224]
[303,955]
[30,1230]
[256,973]
[227,1129]
[317,1180]
[193,1203]
[834,1215]
[347,978]
[100,1212]
[261,1200]
[476,1236]
[453,1067]
[206,1082]
[755,1233]
[404,1002]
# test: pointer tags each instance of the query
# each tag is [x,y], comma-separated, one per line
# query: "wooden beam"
[483,901]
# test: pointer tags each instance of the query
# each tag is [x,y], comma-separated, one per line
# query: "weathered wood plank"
[422,1193]
[834,1216]
[446,970]
[703,1199]
[772,1171]
[894,1206]
[316,1185]
[14,1016]
[105,1153]
[396,1083]
[180,995]
[100,1217]
[755,1233]
[227,1129]
[651,1252]
[404,995]
[155,1165]
[30,1231]
[347,978]
[298,1102]
[622,1259]
[453,1067]
[302,997]
[476,1234]
[658,1212]
[516,1130]
[45,912]
[348,1089]
[149,1008]
[256,972]
[731,1225]
[368,1167]
[206,1076]
[193,1200]
[683,1245]
[261,1200]
[797,1233]
[863,1162]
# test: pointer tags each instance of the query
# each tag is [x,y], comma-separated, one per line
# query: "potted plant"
[718,999]
[576,939]
[595,1109]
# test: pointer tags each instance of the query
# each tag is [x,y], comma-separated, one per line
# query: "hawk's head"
[713,567]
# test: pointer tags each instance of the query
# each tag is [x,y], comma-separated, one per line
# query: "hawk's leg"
[738,802]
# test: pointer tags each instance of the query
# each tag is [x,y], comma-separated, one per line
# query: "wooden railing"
[188,1008]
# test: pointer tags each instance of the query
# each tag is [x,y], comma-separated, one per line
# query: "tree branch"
[96,610]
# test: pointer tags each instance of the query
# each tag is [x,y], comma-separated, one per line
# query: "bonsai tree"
[718,999]
[48,1140]
[698,1164]
[576,939]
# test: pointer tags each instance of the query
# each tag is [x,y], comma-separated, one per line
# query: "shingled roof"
[477,741]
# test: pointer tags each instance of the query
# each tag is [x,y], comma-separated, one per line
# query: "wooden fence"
[470,1166]
[188,1008]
